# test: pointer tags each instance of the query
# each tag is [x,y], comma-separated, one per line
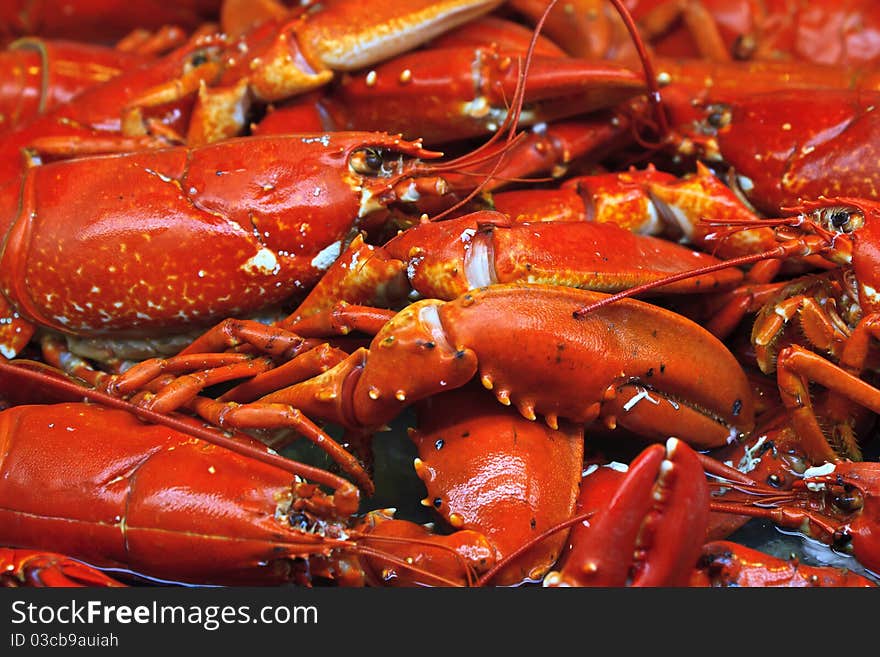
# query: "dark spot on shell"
[662,367]
[439,443]
[737,407]
[533,523]
[650,372]
[459,353]
[465,434]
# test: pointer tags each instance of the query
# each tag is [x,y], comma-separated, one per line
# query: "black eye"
[839,219]
[718,116]
[744,47]
[198,59]
[299,521]
[842,220]
[367,161]
[848,500]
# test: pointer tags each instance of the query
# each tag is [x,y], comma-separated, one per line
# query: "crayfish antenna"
[511,120]
[820,240]
[783,250]
[788,249]
[409,564]
[346,494]
[439,580]
[654,97]
[509,126]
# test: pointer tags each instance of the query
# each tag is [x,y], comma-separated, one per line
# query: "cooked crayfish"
[444,260]
[176,194]
[165,505]
[559,366]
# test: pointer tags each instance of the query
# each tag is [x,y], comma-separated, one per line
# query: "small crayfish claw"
[649,533]
[403,553]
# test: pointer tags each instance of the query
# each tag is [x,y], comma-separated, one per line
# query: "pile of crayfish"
[614,264]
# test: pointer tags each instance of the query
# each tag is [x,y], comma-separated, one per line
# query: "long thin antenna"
[650,77]
[782,251]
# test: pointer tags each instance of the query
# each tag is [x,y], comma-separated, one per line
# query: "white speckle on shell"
[327,256]
[263,262]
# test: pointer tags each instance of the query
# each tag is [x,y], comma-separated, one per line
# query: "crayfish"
[240,241]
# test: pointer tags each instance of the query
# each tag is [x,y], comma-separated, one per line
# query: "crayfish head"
[846,493]
[410,359]
[851,228]
[834,218]
[387,169]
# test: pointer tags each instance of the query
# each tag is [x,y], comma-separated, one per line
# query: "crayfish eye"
[744,47]
[718,116]
[848,499]
[367,162]
[199,58]
[299,521]
[841,220]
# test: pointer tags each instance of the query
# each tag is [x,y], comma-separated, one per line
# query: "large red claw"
[651,531]
[448,94]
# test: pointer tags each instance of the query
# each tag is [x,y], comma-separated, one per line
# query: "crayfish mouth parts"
[288,515]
